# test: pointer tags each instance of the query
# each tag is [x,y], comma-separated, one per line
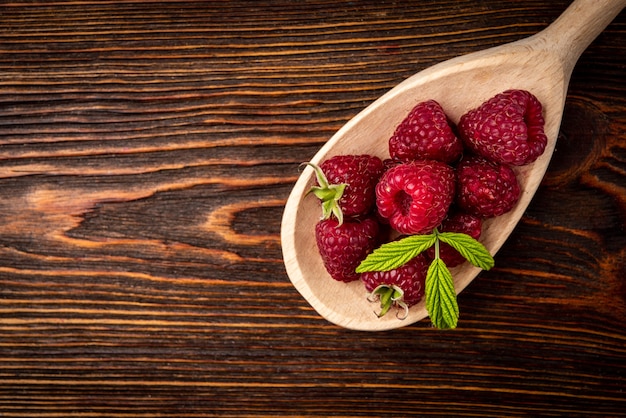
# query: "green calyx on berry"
[441,302]
[329,194]
[389,296]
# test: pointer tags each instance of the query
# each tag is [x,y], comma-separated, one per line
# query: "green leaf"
[468,247]
[395,254]
[440,296]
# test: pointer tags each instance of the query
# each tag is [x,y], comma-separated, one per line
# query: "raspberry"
[486,188]
[346,185]
[508,128]
[415,197]
[409,278]
[463,223]
[343,247]
[426,133]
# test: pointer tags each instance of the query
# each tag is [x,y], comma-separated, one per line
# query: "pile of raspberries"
[438,176]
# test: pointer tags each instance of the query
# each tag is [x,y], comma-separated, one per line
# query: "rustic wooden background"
[146,151]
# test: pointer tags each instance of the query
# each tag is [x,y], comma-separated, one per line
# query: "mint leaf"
[395,254]
[472,250]
[440,296]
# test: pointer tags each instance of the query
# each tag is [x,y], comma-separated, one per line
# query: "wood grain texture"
[146,152]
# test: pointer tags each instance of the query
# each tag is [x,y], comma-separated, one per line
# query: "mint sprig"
[440,294]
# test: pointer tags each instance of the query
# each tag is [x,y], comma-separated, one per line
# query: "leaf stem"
[436,233]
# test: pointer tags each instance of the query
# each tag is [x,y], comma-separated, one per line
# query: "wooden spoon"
[541,64]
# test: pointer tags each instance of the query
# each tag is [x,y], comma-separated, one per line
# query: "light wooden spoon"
[541,64]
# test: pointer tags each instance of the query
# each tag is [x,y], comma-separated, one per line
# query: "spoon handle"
[572,32]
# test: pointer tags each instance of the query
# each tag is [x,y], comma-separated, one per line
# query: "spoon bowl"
[541,64]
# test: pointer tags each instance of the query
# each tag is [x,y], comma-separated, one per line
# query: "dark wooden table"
[146,151]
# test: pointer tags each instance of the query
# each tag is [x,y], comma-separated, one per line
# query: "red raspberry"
[415,196]
[508,128]
[463,223]
[346,185]
[486,188]
[426,133]
[344,246]
[410,278]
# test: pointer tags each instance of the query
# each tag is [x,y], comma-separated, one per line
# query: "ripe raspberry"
[346,185]
[426,133]
[463,223]
[415,196]
[485,188]
[410,278]
[508,128]
[344,246]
